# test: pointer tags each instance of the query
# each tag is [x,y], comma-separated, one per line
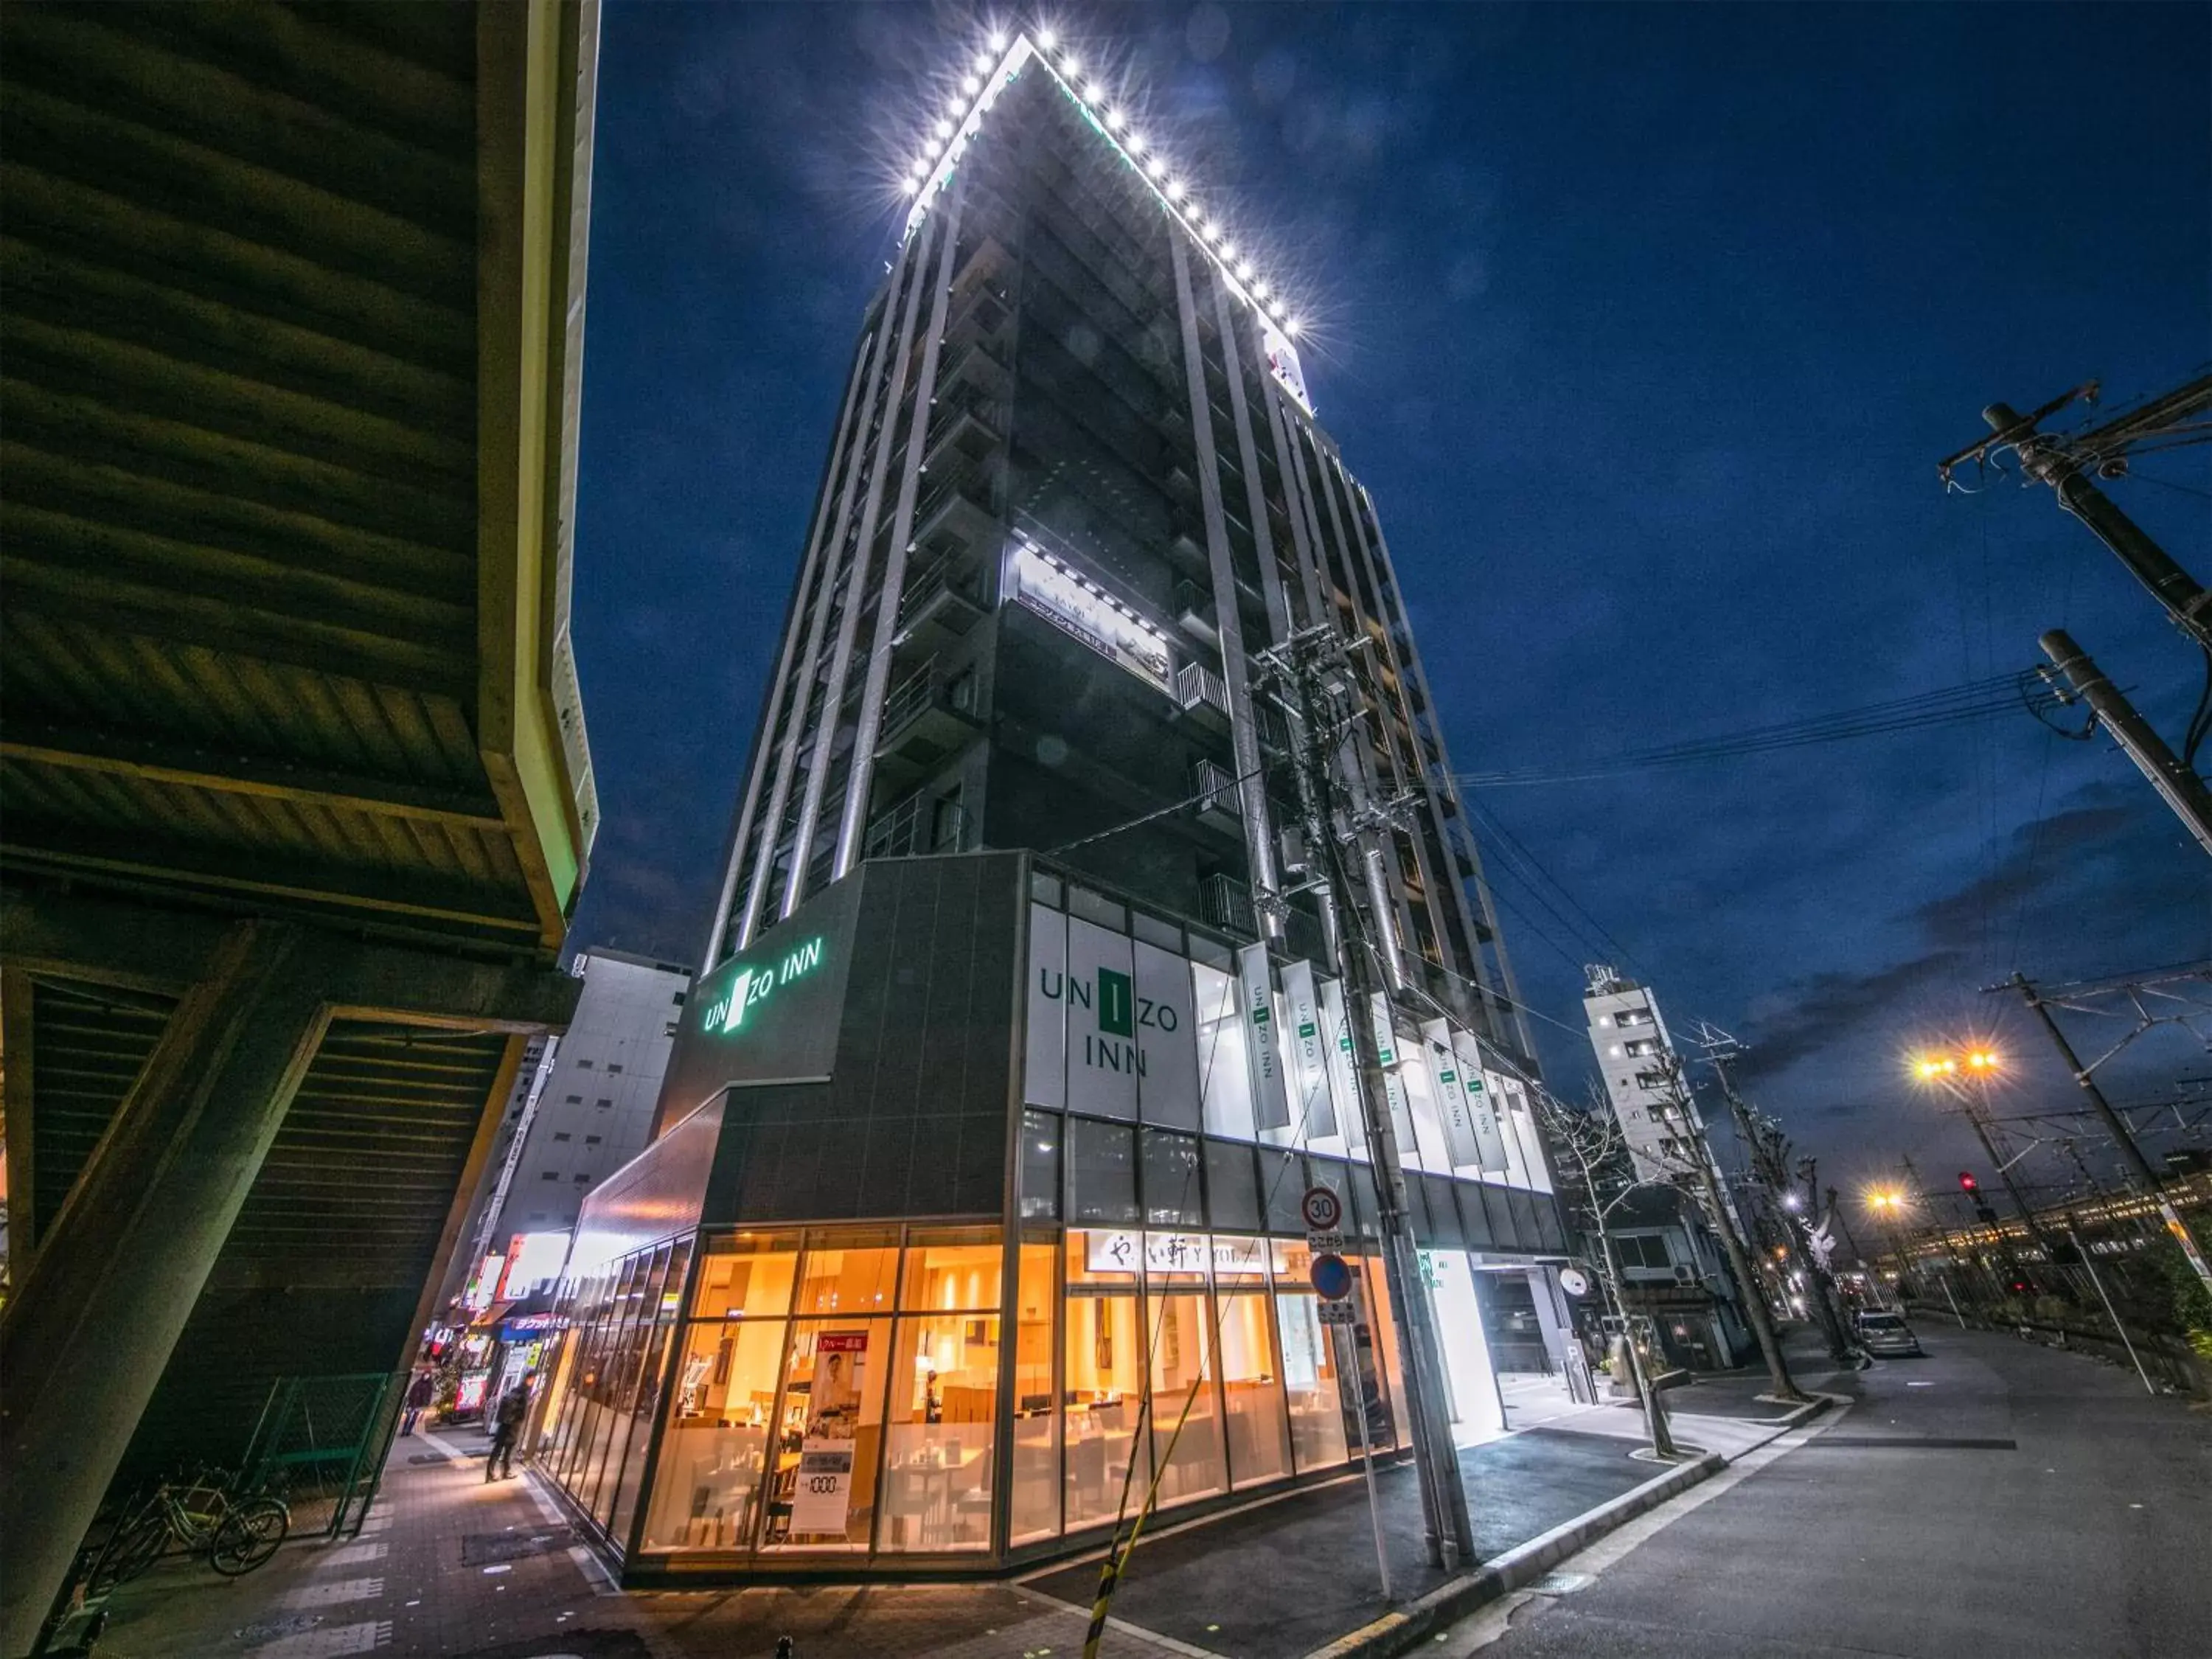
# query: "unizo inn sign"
[1111,1028]
[755,985]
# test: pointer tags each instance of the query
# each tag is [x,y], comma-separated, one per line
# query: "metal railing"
[1197,684]
[921,823]
[910,699]
[1215,788]
[1226,903]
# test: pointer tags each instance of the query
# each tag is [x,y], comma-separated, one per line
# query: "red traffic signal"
[1967,1183]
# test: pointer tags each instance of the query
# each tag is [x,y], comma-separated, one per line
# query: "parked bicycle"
[208,1513]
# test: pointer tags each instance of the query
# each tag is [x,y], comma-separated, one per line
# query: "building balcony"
[940,606]
[974,366]
[970,428]
[918,826]
[1216,804]
[1225,903]
[1194,613]
[954,508]
[927,717]
[1202,698]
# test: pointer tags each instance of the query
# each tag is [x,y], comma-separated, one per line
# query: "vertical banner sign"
[1343,1065]
[1386,1043]
[1044,1068]
[1523,1123]
[1167,1036]
[822,1501]
[1509,1153]
[1270,1102]
[1483,1105]
[1309,1049]
[1104,1060]
[1451,1094]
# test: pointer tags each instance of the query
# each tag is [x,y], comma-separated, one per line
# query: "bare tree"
[1593,1155]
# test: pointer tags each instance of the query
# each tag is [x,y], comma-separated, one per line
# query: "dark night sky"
[1645,327]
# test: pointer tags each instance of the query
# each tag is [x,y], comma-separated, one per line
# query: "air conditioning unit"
[1682,1273]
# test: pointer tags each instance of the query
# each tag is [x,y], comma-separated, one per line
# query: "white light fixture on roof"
[1174,189]
[1159,165]
[997,40]
[1228,249]
[1290,327]
[1115,120]
[1260,289]
[1068,63]
[1244,271]
[910,185]
[1046,39]
[945,129]
[972,85]
[1134,143]
[983,62]
[1093,92]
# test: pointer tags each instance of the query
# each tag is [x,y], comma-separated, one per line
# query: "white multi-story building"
[593,1110]
[1633,1051]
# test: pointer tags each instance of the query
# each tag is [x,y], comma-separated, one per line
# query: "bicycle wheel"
[249,1534]
[139,1541]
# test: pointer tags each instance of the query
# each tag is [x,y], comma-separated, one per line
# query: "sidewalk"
[449,1566]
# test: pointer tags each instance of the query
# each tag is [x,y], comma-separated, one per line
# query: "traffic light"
[1967,1183]
[1972,1188]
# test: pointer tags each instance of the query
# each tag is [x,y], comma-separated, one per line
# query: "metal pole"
[2097,1279]
[2138,1167]
[1443,1494]
[2179,788]
[1945,1281]
[1351,1373]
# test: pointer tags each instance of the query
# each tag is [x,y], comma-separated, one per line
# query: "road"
[1993,1498]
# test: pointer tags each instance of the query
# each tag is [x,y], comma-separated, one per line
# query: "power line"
[1980,699]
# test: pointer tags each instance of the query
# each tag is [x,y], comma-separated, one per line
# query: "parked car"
[1887,1335]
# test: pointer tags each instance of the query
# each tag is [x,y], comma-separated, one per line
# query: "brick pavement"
[450,1566]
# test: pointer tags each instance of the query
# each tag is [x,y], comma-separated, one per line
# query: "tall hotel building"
[1017,1039]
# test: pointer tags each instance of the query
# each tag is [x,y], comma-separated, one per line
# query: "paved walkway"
[450,1565]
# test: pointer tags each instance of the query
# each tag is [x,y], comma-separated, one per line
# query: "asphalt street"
[1993,1498]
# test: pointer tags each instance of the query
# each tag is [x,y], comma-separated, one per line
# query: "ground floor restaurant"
[906,1398]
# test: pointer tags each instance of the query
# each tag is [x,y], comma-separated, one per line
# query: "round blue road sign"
[1330,1277]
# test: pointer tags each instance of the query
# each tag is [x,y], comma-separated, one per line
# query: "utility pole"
[1312,673]
[1770,1164]
[2178,785]
[2065,464]
[2140,1175]
[1684,1109]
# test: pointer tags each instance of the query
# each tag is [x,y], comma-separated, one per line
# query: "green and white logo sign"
[1110,1025]
[755,984]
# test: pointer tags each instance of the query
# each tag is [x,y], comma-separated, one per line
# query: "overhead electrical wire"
[1973,700]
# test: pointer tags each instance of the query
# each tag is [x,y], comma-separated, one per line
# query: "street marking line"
[328,1644]
[354,1555]
[329,1595]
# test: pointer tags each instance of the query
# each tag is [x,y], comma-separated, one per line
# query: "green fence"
[321,1444]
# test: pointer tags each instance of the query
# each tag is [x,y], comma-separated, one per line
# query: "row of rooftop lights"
[1093,96]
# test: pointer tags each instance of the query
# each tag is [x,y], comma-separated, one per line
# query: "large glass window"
[1251,1379]
[949,1268]
[746,1274]
[1186,1429]
[1173,1191]
[1310,1350]
[1102,1171]
[646,1397]
[849,1273]
[937,1468]
[1040,1166]
[829,1434]
[1103,1385]
[706,1491]
[1036,1497]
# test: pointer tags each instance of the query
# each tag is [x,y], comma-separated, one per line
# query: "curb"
[1397,1631]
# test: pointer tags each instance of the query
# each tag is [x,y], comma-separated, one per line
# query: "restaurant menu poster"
[823,1498]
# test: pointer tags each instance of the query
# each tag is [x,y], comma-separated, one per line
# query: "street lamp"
[1888,1204]
[1964,1075]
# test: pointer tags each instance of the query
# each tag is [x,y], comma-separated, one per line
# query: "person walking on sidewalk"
[506,1428]
[420,1393]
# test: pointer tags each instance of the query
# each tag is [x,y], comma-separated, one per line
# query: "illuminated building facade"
[1015,1044]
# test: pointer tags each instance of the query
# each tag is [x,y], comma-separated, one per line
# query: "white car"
[1887,1335]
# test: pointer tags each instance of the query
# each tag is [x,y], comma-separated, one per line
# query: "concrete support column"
[87,1336]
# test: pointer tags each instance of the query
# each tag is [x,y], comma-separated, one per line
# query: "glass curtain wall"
[840,1390]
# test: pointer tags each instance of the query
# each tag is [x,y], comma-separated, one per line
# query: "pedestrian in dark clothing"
[420,1393]
[506,1428]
